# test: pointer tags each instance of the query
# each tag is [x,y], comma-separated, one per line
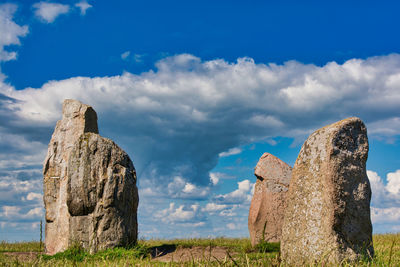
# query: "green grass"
[76,253]
[20,246]
[387,253]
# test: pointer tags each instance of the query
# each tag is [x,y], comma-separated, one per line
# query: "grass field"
[180,252]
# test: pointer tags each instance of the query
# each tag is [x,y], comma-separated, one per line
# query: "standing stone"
[77,119]
[327,218]
[102,197]
[268,202]
[90,192]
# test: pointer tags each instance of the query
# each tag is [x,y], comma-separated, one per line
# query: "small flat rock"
[196,254]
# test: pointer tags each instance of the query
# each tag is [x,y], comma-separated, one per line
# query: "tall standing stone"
[268,202]
[327,217]
[90,192]
[77,119]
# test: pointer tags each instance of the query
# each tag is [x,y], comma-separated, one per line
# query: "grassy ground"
[239,253]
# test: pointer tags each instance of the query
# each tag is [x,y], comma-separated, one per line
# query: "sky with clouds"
[196,93]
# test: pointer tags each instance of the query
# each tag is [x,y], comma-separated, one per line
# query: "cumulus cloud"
[385,203]
[83,6]
[137,58]
[25,153]
[180,188]
[22,204]
[212,207]
[230,212]
[388,215]
[230,152]
[176,121]
[214,178]
[125,55]
[241,195]
[182,214]
[385,129]
[21,187]
[385,196]
[10,32]
[393,185]
[48,12]
[223,210]
[15,214]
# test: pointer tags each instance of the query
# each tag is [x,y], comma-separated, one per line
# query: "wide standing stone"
[90,192]
[327,217]
[101,194]
[268,202]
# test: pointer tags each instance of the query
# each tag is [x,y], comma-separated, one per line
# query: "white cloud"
[35,213]
[137,58]
[385,203]
[214,178]
[266,121]
[393,185]
[230,152]
[228,213]
[189,188]
[125,55]
[212,207]
[9,211]
[83,6]
[25,153]
[178,119]
[34,196]
[223,210]
[10,32]
[187,103]
[385,129]
[48,12]
[231,226]
[385,196]
[385,215]
[16,214]
[147,192]
[239,196]
[11,183]
[20,196]
[180,188]
[180,214]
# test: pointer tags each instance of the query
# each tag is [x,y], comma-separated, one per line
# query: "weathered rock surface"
[268,202]
[102,197]
[90,192]
[328,203]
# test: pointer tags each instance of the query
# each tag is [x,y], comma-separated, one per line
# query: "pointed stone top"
[272,168]
[80,116]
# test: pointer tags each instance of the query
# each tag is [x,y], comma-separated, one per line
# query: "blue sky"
[196,92]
